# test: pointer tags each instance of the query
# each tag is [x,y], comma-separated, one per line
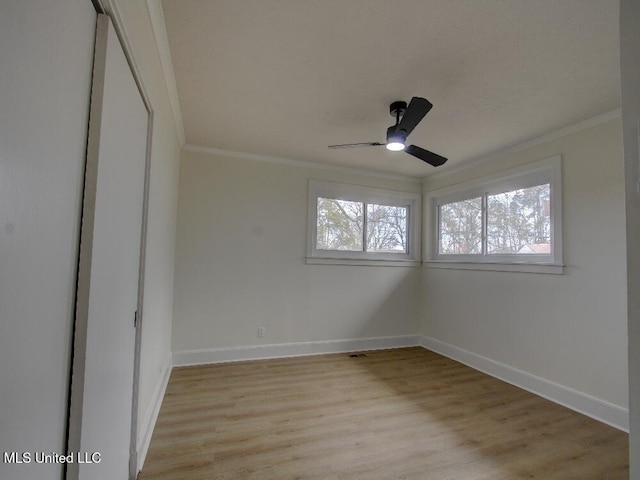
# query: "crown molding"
[299,163]
[156,15]
[534,142]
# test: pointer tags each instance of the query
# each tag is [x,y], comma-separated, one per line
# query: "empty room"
[281,239]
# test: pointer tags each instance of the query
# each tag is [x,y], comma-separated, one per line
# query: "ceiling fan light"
[395,139]
[395,145]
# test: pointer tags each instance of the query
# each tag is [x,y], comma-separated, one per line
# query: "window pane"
[386,228]
[460,227]
[519,221]
[339,225]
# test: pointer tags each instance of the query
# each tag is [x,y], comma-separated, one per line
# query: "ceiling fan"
[407,117]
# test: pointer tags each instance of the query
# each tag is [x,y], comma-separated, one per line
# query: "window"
[361,225]
[510,221]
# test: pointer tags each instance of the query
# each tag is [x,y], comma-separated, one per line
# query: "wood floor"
[391,414]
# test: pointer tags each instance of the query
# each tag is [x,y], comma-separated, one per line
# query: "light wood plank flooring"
[393,414]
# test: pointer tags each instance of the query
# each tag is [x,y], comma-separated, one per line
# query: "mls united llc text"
[51,457]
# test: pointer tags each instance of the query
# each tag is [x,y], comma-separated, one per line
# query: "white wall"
[240,263]
[163,199]
[630,68]
[569,329]
[46,56]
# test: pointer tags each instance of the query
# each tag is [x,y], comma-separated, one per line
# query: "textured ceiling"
[286,78]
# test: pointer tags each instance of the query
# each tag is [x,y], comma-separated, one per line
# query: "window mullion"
[364,226]
[485,223]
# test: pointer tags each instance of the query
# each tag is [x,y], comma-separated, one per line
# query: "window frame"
[368,195]
[549,171]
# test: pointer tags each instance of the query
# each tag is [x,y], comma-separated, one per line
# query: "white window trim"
[358,193]
[549,169]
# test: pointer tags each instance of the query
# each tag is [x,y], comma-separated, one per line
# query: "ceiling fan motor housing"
[396,137]
[395,134]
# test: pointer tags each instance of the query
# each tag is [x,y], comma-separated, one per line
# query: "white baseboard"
[596,408]
[151,416]
[259,352]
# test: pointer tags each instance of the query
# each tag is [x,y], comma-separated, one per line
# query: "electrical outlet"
[261,331]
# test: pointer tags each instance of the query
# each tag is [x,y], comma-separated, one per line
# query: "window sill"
[547,268]
[361,262]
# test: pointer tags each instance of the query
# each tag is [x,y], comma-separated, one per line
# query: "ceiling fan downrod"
[397,109]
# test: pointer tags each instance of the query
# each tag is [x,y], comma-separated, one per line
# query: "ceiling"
[286,78]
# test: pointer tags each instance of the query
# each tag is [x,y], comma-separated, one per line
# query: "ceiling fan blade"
[417,109]
[425,155]
[353,145]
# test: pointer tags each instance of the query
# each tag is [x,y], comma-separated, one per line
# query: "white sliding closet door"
[108,277]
